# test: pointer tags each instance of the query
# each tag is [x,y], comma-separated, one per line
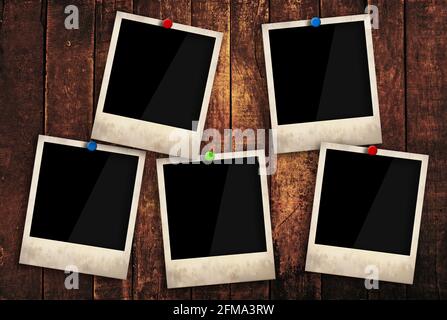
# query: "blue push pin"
[91,145]
[315,22]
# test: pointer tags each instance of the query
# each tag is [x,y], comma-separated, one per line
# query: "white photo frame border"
[212,270]
[352,262]
[309,135]
[143,134]
[88,259]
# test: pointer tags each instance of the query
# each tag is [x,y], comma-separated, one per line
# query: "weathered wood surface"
[105,11]
[68,104]
[50,79]
[22,83]
[292,192]
[426,106]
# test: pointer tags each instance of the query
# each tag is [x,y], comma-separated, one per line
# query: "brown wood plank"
[149,280]
[389,57]
[69,103]
[249,106]
[292,192]
[290,10]
[106,288]
[334,287]
[332,8]
[426,78]
[21,120]
[390,69]
[215,15]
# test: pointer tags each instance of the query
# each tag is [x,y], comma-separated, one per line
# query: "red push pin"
[167,23]
[372,150]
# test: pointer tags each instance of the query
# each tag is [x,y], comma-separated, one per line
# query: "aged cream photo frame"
[353,262]
[308,135]
[87,259]
[150,135]
[224,268]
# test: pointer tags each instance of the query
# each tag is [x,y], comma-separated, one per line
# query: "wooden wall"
[49,84]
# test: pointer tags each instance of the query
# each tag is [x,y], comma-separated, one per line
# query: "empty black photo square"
[214,209]
[368,202]
[159,75]
[320,73]
[84,197]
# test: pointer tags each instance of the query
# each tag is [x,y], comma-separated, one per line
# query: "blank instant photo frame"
[157,85]
[321,83]
[366,213]
[216,220]
[82,207]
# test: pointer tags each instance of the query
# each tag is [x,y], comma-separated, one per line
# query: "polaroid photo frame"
[366,213]
[157,85]
[82,207]
[216,220]
[321,83]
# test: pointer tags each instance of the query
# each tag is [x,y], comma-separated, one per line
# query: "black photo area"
[159,75]
[84,197]
[368,202]
[214,209]
[320,73]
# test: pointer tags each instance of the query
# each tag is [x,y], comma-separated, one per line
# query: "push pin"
[372,150]
[209,155]
[315,22]
[91,145]
[167,23]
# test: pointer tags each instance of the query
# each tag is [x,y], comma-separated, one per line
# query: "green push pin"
[209,155]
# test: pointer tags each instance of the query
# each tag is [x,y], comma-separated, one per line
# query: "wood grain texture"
[390,70]
[69,103]
[149,280]
[21,120]
[292,192]
[334,287]
[333,8]
[49,83]
[215,15]
[389,57]
[427,133]
[249,107]
[292,10]
[106,288]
